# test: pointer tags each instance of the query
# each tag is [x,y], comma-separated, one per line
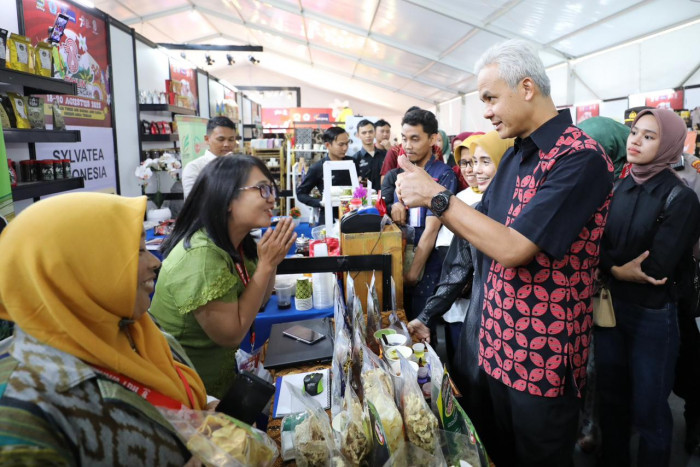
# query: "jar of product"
[302,245]
[28,170]
[58,169]
[66,168]
[355,204]
[46,170]
[13,173]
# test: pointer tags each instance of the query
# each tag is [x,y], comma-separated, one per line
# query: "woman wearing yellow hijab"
[464,160]
[86,366]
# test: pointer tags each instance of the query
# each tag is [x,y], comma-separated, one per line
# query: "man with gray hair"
[538,232]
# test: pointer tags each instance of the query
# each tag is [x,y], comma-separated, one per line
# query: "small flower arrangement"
[361,193]
[295,213]
[144,172]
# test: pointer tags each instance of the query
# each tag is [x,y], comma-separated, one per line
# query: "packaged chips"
[18,53]
[3,47]
[19,106]
[42,59]
[35,112]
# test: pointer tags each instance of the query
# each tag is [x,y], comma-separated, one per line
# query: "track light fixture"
[253,60]
[230,59]
[210,61]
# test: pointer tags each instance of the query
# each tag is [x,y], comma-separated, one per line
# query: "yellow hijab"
[494,146]
[68,275]
[466,144]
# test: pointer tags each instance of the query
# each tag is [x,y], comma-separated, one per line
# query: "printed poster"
[83,59]
[584,112]
[191,131]
[7,209]
[187,76]
[672,101]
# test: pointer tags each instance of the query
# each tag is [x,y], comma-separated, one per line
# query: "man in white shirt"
[221,138]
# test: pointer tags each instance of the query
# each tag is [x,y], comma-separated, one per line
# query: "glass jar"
[13,173]
[28,171]
[58,169]
[66,168]
[46,166]
[302,245]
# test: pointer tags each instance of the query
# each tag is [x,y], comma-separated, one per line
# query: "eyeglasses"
[466,163]
[265,190]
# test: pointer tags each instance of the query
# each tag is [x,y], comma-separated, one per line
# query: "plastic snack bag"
[340,370]
[19,49]
[59,122]
[420,423]
[314,443]
[219,440]
[35,112]
[374,317]
[42,61]
[352,427]
[410,454]
[19,106]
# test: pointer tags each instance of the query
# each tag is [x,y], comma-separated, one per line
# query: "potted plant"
[295,214]
[152,168]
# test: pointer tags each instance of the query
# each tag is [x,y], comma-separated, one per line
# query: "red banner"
[286,117]
[187,77]
[84,60]
[672,100]
[585,112]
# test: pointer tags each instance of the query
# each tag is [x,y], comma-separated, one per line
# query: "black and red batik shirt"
[554,188]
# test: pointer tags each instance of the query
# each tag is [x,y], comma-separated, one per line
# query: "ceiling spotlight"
[230,59]
[183,55]
[253,60]
[210,61]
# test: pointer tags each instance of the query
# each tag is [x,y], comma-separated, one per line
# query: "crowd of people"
[512,230]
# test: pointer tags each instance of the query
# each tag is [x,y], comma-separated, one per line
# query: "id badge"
[415,217]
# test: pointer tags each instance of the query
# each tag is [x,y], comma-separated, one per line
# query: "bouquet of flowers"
[361,193]
[144,172]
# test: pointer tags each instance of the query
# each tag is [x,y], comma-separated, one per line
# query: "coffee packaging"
[35,112]
[42,62]
[18,53]
[19,106]
[59,123]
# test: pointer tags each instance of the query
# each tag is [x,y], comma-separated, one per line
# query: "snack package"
[350,293]
[340,369]
[410,454]
[352,427]
[455,420]
[460,449]
[340,311]
[59,123]
[358,316]
[436,372]
[314,443]
[358,346]
[399,326]
[378,389]
[59,66]
[19,107]
[3,47]
[4,118]
[374,316]
[9,111]
[42,60]
[35,112]
[420,423]
[217,439]
[381,452]
[287,427]
[18,52]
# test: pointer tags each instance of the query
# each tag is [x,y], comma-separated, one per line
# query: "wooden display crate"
[372,243]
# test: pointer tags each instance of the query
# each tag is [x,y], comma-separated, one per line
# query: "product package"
[42,60]
[35,112]
[9,112]
[18,52]
[59,65]
[3,47]
[4,118]
[59,123]
[19,107]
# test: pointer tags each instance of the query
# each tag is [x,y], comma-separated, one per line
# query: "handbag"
[603,312]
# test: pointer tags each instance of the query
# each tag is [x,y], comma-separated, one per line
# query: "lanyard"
[154,397]
[242,271]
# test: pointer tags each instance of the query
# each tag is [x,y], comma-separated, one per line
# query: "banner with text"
[191,131]
[83,59]
[183,73]
[584,112]
[286,117]
[92,158]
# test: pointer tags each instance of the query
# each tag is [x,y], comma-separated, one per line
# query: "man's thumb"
[406,164]
[643,256]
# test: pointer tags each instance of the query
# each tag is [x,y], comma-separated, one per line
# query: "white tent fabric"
[412,51]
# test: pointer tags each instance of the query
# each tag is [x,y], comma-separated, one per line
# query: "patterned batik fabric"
[537,318]
[55,410]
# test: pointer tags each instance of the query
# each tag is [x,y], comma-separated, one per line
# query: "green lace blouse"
[188,279]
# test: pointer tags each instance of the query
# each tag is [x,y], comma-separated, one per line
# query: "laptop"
[283,351]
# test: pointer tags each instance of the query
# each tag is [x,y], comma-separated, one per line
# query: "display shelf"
[35,84]
[30,190]
[14,135]
[309,150]
[166,108]
[160,138]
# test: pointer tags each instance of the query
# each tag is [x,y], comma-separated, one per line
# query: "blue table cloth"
[273,315]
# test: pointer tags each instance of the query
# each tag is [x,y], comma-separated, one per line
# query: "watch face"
[439,203]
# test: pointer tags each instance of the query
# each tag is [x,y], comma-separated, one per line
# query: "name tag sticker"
[414,217]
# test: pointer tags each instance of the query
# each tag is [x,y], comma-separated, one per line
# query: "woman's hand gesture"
[275,243]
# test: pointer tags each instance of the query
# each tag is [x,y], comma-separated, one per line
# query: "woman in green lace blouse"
[214,277]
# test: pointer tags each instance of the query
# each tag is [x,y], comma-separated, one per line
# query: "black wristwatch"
[440,202]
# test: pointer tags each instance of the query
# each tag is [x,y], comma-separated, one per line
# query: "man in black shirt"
[336,141]
[369,159]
